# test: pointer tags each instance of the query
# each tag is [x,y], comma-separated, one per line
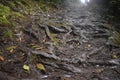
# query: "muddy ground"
[72,43]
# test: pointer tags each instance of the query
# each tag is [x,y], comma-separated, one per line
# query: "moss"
[46,5]
[4,13]
[56,40]
[33,58]
[4,21]
[53,35]
[4,10]
[11,4]
[17,16]
[20,4]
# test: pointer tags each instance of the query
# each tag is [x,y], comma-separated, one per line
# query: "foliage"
[4,13]
[54,3]
[4,10]
[4,21]
[115,38]
[8,17]
[115,8]
[113,16]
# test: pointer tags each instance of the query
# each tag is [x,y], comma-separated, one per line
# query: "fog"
[84,1]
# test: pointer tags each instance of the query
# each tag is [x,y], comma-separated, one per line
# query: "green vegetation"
[114,9]
[9,17]
[115,38]
[113,17]
[9,9]
[4,13]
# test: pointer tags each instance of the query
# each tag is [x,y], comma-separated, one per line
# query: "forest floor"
[71,44]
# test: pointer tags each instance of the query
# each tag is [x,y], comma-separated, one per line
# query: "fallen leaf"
[114,56]
[99,70]
[1,58]
[11,47]
[34,46]
[78,44]
[26,67]
[41,67]
[20,39]
[43,40]
[11,51]
[89,45]
[37,47]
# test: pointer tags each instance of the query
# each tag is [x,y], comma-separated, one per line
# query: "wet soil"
[71,43]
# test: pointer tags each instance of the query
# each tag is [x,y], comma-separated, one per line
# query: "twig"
[48,33]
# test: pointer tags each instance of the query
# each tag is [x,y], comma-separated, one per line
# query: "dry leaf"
[41,67]
[114,56]
[20,39]
[43,40]
[11,51]
[89,45]
[39,48]
[99,70]
[1,58]
[26,67]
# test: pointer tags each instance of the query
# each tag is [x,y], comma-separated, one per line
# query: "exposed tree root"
[32,33]
[93,52]
[105,35]
[48,33]
[57,30]
[101,33]
[101,63]
[47,55]
[117,70]
[64,67]
[77,41]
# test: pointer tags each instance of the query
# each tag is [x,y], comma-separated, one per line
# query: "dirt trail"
[71,43]
[85,52]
